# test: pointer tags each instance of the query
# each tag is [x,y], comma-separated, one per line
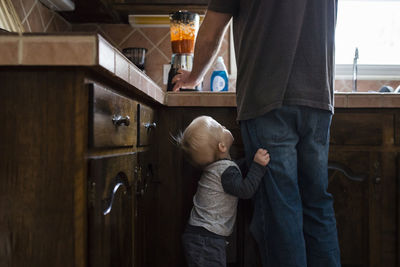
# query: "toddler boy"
[207,144]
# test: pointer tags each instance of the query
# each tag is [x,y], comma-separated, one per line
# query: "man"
[285,59]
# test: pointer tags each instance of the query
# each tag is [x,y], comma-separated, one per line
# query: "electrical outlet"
[166,68]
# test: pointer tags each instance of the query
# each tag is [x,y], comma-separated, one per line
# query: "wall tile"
[155,35]
[136,39]
[27,5]
[9,51]
[18,8]
[117,32]
[364,85]
[154,63]
[45,14]
[35,17]
[165,47]
[35,20]
[26,26]
[51,28]
[61,24]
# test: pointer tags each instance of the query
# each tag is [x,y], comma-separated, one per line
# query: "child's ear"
[222,147]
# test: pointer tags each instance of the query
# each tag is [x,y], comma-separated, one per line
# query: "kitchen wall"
[155,39]
[364,85]
[35,17]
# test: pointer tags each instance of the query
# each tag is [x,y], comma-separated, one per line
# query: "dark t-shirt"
[284,53]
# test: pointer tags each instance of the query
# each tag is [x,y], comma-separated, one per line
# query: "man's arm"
[206,48]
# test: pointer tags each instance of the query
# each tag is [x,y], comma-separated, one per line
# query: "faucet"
[355,70]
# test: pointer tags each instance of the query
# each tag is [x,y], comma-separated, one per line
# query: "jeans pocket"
[323,126]
[271,128]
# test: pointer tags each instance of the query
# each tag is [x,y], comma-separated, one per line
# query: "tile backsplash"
[36,17]
[155,39]
[365,85]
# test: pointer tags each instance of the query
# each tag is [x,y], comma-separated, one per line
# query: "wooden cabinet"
[366,211]
[71,175]
[165,2]
[124,8]
[364,141]
[117,11]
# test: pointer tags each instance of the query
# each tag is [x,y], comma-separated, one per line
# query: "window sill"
[368,72]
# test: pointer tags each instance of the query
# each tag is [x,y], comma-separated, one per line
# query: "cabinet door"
[351,203]
[110,211]
[366,210]
[146,222]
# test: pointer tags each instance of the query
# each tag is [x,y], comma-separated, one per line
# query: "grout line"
[29,25]
[147,38]
[162,39]
[30,11]
[127,37]
[23,10]
[49,23]
[161,52]
[41,17]
[150,50]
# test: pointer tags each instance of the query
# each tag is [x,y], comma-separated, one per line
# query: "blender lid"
[183,15]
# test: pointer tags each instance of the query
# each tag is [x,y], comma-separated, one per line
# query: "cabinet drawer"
[372,129]
[112,119]
[146,125]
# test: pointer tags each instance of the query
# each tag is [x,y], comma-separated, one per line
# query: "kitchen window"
[372,26]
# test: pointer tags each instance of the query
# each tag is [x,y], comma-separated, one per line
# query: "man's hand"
[183,80]
[207,42]
[262,157]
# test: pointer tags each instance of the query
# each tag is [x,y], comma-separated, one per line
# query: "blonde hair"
[200,140]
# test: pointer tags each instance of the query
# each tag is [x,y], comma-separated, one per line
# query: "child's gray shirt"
[220,186]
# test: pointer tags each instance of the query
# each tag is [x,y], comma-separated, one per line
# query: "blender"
[183,26]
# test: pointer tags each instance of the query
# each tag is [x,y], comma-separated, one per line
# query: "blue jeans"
[293,222]
[204,251]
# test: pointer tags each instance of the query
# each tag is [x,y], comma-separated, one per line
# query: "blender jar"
[184,26]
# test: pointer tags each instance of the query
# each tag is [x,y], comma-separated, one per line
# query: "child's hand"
[262,157]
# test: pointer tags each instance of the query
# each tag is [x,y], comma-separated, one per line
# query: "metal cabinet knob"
[149,125]
[118,120]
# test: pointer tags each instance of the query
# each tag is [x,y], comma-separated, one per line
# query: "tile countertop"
[77,49]
[92,50]
[228,99]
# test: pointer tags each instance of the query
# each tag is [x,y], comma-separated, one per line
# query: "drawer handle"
[118,120]
[149,126]
[346,171]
